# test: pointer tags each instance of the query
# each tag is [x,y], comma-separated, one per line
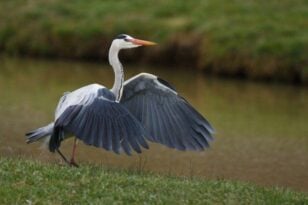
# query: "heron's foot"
[73,163]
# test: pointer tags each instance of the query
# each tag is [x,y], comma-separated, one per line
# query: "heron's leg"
[72,162]
[63,157]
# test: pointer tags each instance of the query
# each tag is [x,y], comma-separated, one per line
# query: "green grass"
[256,39]
[30,182]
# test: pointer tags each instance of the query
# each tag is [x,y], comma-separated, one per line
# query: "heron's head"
[124,41]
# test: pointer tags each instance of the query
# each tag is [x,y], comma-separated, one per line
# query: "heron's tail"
[39,133]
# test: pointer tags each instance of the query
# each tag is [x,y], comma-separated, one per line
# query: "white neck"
[114,61]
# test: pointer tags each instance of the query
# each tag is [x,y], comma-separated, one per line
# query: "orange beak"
[142,42]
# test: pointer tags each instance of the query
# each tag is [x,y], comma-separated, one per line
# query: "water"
[262,131]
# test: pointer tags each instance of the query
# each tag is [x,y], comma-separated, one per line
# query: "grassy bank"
[253,39]
[29,182]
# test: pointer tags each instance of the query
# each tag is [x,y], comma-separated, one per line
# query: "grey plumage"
[96,120]
[168,117]
[39,133]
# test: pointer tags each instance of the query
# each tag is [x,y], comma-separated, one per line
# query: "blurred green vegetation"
[253,39]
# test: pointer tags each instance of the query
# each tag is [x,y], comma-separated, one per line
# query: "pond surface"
[262,129]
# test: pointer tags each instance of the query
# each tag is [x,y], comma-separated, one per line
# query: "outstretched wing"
[99,121]
[168,118]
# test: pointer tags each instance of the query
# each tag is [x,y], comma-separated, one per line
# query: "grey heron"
[122,119]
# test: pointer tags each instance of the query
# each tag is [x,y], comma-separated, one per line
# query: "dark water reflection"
[262,130]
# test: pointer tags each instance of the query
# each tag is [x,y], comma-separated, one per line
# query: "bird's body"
[78,96]
[142,108]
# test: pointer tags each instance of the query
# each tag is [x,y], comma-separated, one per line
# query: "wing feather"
[125,140]
[101,122]
[167,136]
[100,132]
[179,134]
[154,120]
[167,117]
[116,137]
[107,140]
[172,129]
